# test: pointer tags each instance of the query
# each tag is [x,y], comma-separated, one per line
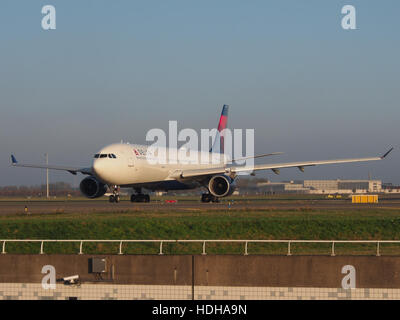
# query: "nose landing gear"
[115,196]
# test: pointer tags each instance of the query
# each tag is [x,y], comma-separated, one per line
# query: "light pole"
[47,176]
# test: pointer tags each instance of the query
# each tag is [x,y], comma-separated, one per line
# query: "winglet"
[13,160]
[384,156]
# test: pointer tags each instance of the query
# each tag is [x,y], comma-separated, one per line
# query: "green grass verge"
[305,224]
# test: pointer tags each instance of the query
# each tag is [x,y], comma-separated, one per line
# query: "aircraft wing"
[273,166]
[72,170]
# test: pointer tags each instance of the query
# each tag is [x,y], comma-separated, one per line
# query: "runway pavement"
[92,206]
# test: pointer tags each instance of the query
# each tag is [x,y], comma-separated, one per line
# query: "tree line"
[56,189]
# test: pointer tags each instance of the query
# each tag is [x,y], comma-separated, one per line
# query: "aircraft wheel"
[215,199]
[206,197]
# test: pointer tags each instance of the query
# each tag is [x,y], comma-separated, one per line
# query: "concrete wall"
[209,270]
[296,271]
[121,269]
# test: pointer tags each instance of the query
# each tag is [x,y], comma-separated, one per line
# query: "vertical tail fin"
[218,145]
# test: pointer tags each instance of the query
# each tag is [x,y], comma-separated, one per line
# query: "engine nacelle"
[92,188]
[221,186]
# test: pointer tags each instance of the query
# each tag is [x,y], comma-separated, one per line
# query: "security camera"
[71,279]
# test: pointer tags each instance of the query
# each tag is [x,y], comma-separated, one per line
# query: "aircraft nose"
[98,168]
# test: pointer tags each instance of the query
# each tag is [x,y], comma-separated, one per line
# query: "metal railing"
[203,242]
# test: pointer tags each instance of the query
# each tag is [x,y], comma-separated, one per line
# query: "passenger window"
[103,156]
[109,155]
[114,156]
[96,155]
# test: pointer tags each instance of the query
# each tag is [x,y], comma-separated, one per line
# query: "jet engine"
[221,186]
[92,188]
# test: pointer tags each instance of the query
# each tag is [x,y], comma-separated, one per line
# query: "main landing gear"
[208,197]
[115,196]
[140,197]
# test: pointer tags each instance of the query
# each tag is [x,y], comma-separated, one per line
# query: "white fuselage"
[132,164]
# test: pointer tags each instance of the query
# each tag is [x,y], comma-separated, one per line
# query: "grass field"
[302,223]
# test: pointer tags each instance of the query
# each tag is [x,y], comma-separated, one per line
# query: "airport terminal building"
[343,186]
[322,186]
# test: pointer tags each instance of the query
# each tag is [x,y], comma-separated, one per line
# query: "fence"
[204,242]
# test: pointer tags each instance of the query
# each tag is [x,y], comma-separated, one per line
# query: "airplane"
[124,165]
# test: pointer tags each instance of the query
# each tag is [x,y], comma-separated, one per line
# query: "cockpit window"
[105,155]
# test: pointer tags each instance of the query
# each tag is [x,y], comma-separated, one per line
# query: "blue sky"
[113,70]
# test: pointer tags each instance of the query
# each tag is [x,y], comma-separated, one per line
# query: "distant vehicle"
[171,201]
[123,165]
[337,196]
[364,198]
